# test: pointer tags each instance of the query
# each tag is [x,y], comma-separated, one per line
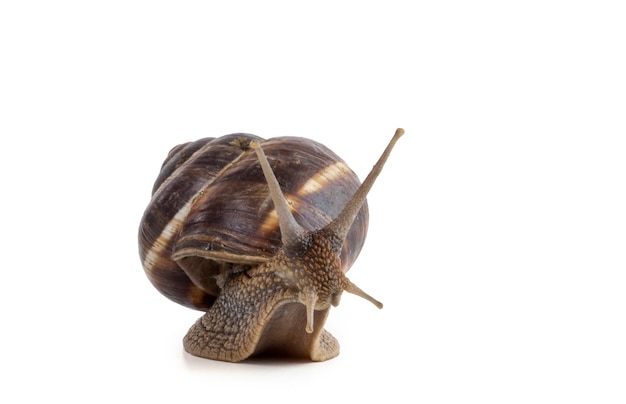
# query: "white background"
[497,232]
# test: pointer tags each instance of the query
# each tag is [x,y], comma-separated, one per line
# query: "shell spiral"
[211,203]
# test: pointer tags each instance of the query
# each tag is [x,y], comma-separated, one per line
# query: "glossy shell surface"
[210,202]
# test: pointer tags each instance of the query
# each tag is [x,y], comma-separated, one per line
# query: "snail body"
[258,234]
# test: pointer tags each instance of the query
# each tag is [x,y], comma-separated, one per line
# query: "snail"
[258,234]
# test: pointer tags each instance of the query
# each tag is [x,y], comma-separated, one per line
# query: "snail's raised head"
[309,261]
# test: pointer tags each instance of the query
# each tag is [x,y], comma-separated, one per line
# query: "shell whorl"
[211,202]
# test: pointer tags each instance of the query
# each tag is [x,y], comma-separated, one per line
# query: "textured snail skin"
[275,327]
[210,240]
